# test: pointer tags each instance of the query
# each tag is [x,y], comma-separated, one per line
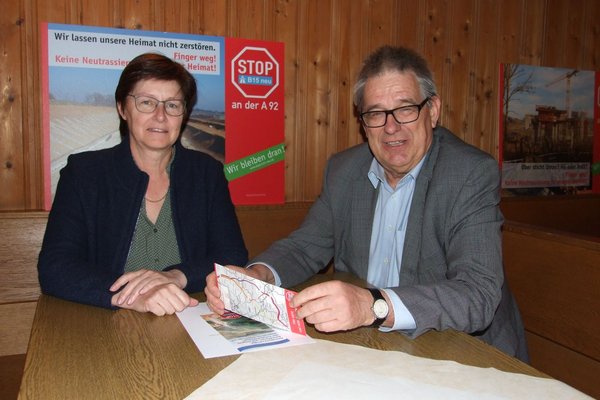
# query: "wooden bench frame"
[21,236]
[577,214]
[555,278]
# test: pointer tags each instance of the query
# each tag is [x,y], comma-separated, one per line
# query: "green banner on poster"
[254,162]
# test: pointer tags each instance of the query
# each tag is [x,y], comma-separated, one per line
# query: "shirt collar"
[376,173]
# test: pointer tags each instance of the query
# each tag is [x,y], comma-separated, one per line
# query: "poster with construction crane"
[238,118]
[549,130]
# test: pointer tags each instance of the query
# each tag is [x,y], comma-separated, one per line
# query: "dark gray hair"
[390,58]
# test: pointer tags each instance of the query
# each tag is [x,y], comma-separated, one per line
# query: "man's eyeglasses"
[147,104]
[402,115]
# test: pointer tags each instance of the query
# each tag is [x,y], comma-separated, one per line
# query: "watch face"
[380,308]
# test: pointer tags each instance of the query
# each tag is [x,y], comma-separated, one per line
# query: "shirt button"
[155,230]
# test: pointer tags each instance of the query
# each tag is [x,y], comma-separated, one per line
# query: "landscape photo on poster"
[549,130]
[81,66]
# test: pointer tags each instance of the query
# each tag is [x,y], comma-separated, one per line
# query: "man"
[414,212]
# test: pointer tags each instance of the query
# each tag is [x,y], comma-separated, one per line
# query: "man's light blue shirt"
[387,237]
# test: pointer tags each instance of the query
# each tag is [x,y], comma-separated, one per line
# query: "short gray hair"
[390,58]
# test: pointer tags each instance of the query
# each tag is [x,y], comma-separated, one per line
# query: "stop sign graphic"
[255,72]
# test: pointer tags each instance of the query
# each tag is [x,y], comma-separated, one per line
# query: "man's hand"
[213,294]
[335,306]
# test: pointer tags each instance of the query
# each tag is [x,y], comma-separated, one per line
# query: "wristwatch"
[380,307]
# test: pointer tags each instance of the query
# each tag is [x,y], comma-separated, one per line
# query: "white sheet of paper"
[212,344]
[327,370]
[321,381]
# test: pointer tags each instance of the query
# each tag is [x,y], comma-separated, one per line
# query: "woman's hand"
[160,292]
[160,300]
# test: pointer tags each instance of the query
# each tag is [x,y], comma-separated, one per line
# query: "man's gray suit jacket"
[451,274]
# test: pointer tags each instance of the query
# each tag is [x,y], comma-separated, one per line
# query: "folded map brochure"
[244,333]
[258,300]
[259,317]
[228,334]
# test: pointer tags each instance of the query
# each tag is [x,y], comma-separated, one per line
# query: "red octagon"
[255,72]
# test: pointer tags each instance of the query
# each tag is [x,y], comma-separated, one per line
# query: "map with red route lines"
[258,300]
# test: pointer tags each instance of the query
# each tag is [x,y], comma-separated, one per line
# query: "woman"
[140,225]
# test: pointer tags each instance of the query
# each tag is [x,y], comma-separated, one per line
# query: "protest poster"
[238,119]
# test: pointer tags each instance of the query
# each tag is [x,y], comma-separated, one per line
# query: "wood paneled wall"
[325,42]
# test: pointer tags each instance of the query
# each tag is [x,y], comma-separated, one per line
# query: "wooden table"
[82,352]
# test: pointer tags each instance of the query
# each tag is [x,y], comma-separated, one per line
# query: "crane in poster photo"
[549,138]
